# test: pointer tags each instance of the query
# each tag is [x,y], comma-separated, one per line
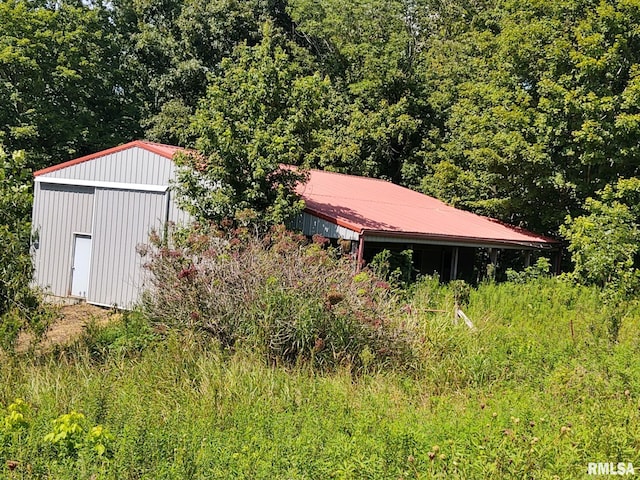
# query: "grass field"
[537,390]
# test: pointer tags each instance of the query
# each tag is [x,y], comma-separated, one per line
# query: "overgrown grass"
[519,396]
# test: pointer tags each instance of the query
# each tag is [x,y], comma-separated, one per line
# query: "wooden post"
[557,261]
[360,259]
[454,263]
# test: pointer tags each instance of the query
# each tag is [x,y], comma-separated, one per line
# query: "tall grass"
[519,396]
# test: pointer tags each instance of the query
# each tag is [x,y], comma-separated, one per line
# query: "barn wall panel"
[311,225]
[123,221]
[177,215]
[59,211]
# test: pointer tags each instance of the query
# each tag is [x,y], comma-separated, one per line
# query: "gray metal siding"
[134,165]
[312,225]
[59,211]
[123,220]
[176,215]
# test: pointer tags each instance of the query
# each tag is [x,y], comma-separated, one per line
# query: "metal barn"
[372,215]
[89,216]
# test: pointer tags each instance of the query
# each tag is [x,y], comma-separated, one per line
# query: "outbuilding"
[374,215]
[90,215]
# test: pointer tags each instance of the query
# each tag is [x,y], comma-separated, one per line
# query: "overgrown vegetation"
[536,391]
[290,301]
[524,111]
[20,307]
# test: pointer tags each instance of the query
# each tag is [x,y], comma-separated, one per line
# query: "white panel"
[177,215]
[93,183]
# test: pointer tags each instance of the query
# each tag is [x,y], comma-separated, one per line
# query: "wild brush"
[292,300]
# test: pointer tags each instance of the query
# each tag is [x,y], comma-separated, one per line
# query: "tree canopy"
[521,111]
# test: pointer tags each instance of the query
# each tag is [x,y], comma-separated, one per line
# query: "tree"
[264,109]
[604,242]
[541,112]
[174,45]
[370,49]
[63,89]
[604,247]
[19,305]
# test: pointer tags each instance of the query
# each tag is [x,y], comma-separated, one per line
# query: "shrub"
[71,436]
[394,267]
[541,268]
[126,336]
[291,300]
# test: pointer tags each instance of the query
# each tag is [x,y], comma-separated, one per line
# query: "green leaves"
[536,109]
[261,112]
[604,242]
[63,89]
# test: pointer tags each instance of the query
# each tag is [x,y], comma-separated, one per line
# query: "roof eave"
[546,244]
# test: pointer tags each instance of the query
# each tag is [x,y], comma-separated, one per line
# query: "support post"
[360,259]
[493,256]
[557,261]
[454,263]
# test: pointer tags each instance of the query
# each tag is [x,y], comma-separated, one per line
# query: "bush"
[291,300]
[127,336]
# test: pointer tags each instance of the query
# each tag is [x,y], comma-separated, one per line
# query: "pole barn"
[89,216]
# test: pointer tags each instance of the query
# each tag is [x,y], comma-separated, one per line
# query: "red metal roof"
[375,207]
[166,151]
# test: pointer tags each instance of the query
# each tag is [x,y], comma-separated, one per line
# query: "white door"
[80,270]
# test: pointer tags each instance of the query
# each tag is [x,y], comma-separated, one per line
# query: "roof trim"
[549,244]
[142,187]
[544,243]
[149,146]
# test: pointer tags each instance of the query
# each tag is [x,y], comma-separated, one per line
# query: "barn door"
[80,269]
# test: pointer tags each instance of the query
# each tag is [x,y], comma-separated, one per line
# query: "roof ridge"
[357,176]
[160,144]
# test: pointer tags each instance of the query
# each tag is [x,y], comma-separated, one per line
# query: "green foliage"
[604,248]
[19,305]
[70,437]
[126,336]
[604,242]
[540,269]
[261,111]
[536,108]
[18,414]
[63,89]
[394,267]
[289,301]
[461,292]
[172,46]
[533,392]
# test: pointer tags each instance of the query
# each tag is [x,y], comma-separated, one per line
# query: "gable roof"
[374,207]
[166,151]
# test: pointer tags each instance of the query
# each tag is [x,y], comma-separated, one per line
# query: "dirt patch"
[72,322]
